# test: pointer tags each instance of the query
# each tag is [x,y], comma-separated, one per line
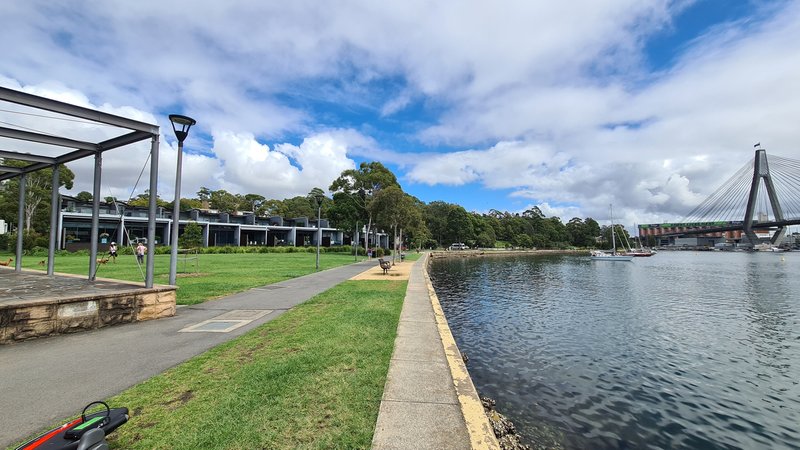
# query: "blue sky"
[568,106]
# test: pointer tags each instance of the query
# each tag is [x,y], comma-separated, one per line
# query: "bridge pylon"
[761,171]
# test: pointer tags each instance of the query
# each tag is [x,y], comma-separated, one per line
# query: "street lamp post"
[180,125]
[318,198]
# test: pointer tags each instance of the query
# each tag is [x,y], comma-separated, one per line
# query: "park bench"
[385,265]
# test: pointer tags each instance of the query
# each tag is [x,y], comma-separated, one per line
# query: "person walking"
[112,252]
[140,251]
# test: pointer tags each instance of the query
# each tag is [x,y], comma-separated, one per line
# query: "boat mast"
[613,239]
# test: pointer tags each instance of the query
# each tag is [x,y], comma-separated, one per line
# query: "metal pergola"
[70,150]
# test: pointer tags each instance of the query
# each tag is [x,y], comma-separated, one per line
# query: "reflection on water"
[681,350]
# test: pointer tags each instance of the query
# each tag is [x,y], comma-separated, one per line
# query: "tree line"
[367,198]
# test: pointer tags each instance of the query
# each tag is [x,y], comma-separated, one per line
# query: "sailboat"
[599,255]
[641,251]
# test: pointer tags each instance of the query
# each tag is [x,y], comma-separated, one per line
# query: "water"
[691,350]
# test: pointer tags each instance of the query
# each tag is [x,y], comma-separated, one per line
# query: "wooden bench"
[385,265]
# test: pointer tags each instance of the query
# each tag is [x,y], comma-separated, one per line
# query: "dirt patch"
[181,400]
[400,271]
[192,275]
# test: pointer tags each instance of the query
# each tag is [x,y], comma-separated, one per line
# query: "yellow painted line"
[480,431]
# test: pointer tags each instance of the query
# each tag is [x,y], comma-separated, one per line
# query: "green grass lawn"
[312,378]
[217,274]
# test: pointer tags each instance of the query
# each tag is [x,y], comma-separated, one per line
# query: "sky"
[570,106]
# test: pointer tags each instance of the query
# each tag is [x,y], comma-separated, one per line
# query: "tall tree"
[459,226]
[395,210]
[435,214]
[37,195]
[299,206]
[223,201]
[252,202]
[143,200]
[84,196]
[345,212]
[363,184]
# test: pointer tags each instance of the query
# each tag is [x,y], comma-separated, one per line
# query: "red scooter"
[87,432]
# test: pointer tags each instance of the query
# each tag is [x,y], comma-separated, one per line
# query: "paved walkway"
[429,401]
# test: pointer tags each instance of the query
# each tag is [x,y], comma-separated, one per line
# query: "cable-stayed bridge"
[762,196]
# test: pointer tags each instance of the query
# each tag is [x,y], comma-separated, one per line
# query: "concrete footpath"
[428,402]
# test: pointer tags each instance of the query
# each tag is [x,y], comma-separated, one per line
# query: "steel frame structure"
[135,131]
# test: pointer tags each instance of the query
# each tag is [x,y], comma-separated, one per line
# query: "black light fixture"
[184,123]
[180,125]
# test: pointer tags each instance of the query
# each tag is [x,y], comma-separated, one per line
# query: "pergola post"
[98,170]
[151,214]
[54,208]
[23,179]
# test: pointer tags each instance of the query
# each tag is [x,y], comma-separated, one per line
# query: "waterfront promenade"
[46,380]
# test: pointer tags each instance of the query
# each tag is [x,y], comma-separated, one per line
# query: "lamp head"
[181,125]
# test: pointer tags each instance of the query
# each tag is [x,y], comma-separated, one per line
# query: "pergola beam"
[33,101]
[5,154]
[45,139]
[9,169]
[125,139]
[69,157]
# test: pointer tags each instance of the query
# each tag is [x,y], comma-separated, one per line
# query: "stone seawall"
[499,252]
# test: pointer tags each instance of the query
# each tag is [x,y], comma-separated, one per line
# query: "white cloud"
[285,171]
[554,99]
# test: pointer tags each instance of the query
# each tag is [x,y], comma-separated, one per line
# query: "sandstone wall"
[21,322]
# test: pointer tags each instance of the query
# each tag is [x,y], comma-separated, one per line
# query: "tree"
[396,210]
[204,194]
[223,201]
[435,214]
[251,202]
[270,207]
[459,227]
[592,228]
[523,240]
[37,195]
[190,203]
[143,200]
[84,196]
[362,185]
[344,212]
[298,207]
[192,236]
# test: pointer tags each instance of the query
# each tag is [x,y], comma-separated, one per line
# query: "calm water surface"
[695,350]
